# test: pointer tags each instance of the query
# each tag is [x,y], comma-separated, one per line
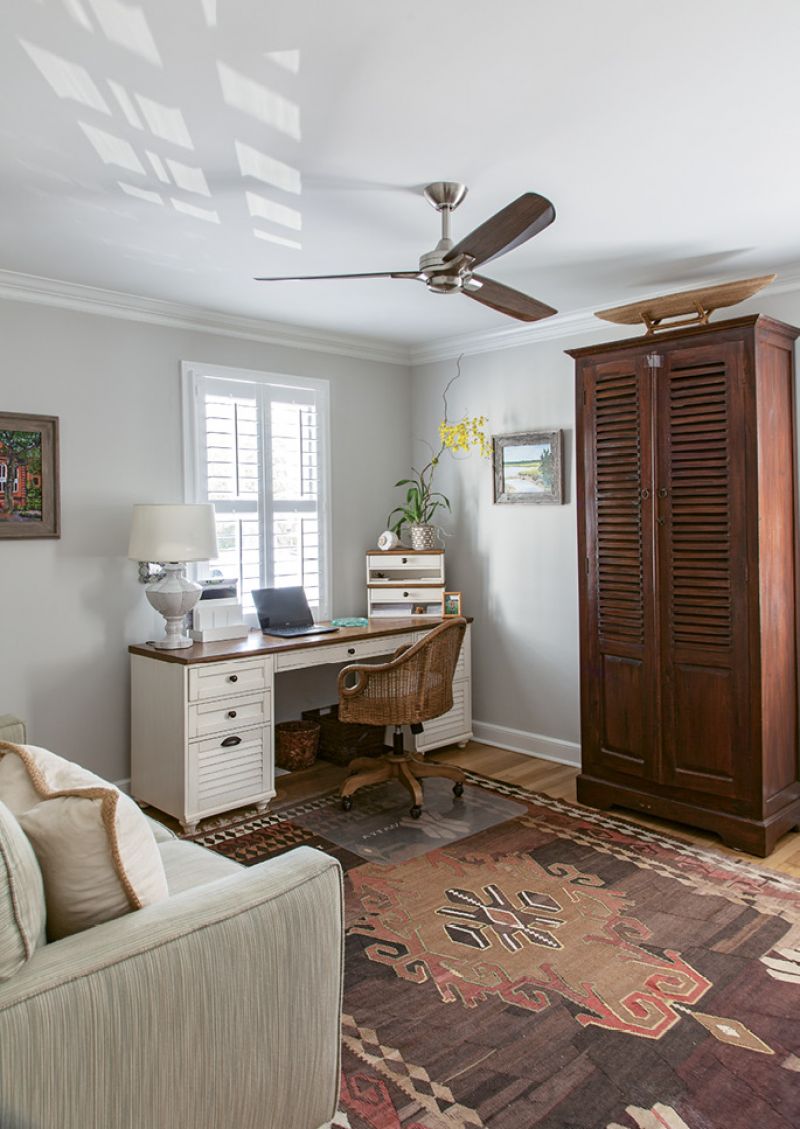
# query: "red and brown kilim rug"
[563,969]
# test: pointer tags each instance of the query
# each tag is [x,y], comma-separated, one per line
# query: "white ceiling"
[665,135]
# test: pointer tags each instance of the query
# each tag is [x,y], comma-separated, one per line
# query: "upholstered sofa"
[217,1008]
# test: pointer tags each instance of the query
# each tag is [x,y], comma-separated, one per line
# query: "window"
[257,447]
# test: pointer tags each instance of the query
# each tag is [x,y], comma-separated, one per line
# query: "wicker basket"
[341,741]
[296,744]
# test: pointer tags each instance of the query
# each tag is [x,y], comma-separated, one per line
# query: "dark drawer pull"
[405,560]
[351,650]
[229,742]
[233,677]
[405,594]
[231,713]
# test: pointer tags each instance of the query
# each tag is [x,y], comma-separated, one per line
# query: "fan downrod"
[444,196]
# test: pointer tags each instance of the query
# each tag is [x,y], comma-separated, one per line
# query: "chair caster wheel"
[416,811]
[458,789]
[347,803]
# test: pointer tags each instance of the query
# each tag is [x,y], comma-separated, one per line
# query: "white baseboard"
[531,744]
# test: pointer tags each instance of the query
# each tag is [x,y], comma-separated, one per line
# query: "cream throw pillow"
[98,857]
[22,906]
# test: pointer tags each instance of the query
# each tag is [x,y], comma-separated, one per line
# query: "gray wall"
[517,565]
[69,607]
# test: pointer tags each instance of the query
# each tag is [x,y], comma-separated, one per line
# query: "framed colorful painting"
[527,467]
[29,493]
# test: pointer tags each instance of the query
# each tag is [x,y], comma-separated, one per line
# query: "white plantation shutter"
[256,446]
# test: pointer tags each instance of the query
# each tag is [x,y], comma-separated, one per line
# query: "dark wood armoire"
[688,589]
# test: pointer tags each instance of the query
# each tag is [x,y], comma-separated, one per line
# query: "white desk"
[202,718]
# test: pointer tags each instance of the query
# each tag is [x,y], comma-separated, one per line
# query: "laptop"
[285,612]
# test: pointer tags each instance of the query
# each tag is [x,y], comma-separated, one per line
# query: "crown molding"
[156,311]
[493,340]
[570,324]
[134,307]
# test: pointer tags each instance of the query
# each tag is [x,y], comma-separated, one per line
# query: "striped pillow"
[22,905]
[97,853]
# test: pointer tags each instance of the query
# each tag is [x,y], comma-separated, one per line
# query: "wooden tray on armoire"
[699,303]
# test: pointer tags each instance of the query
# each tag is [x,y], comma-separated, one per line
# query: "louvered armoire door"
[702,546]
[618,686]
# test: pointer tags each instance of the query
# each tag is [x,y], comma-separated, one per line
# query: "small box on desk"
[218,618]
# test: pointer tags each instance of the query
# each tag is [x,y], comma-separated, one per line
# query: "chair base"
[408,768]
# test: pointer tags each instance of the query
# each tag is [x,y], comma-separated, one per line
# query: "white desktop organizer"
[218,619]
[404,582]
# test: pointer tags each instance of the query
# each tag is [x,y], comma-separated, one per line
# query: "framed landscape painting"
[29,497]
[527,467]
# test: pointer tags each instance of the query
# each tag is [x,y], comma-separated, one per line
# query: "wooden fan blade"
[317,277]
[522,219]
[509,301]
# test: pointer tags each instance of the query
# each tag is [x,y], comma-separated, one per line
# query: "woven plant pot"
[423,536]
[296,744]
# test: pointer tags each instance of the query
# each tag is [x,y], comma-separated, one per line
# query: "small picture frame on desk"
[451,603]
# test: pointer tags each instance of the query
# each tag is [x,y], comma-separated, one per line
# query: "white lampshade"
[173,533]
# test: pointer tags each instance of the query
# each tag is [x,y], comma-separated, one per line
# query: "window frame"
[193,375]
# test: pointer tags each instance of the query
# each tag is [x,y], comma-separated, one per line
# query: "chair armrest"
[219,1006]
[364,671]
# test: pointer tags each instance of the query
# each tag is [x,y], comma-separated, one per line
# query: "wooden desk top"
[256,643]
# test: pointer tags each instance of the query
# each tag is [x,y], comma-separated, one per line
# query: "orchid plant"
[422,502]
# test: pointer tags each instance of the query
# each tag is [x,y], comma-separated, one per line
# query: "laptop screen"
[282,607]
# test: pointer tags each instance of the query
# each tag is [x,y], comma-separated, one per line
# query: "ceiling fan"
[448,268]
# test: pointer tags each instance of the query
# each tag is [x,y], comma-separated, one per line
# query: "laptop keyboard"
[288,632]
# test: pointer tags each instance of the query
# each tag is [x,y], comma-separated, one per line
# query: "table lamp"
[173,535]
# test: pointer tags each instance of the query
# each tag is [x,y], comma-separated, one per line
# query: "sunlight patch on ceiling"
[125,103]
[78,13]
[166,122]
[112,150]
[68,80]
[158,166]
[126,25]
[193,210]
[188,178]
[268,169]
[279,239]
[210,12]
[261,207]
[289,60]
[140,193]
[258,101]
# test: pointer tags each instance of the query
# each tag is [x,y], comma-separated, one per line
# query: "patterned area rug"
[562,969]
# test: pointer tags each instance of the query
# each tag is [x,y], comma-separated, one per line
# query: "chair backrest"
[414,687]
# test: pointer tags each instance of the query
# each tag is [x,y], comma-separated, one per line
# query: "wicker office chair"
[415,686]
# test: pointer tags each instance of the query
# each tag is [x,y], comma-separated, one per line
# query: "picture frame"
[451,604]
[528,468]
[30,503]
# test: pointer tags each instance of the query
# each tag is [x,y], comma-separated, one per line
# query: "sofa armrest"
[161,834]
[219,1006]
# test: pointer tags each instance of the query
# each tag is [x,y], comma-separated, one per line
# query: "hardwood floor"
[540,776]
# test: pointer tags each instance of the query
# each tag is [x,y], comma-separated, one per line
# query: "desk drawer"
[412,595]
[396,563]
[222,774]
[351,652]
[226,716]
[223,680]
